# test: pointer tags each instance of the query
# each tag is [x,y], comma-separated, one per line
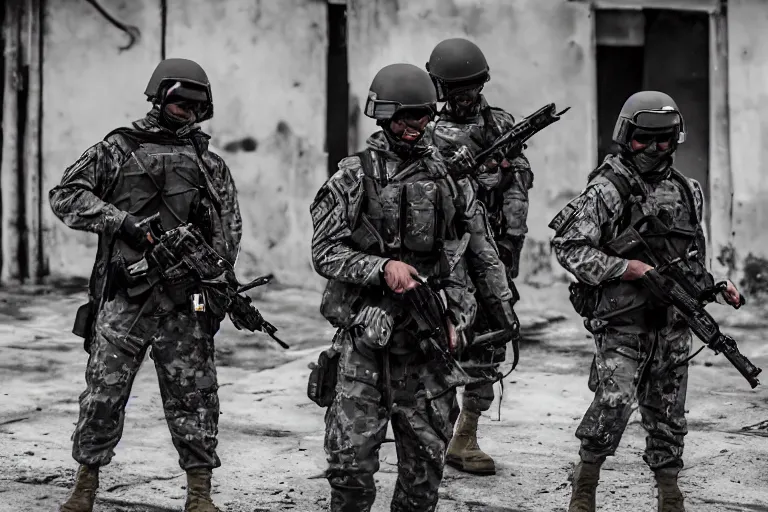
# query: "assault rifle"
[182,258]
[512,141]
[669,292]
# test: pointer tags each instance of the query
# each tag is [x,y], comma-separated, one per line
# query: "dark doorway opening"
[661,50]
[337,87]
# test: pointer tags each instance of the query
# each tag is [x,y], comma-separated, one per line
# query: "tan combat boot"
[670,497]
[84,493]
[199,491]
[584,495]
[463,452]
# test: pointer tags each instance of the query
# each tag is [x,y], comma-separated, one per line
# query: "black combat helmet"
[192,79]
[397,87]
[456,62]
[651,112]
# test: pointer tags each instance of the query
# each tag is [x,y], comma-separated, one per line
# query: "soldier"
[159,165]
[466,126]
[642,346]
[390,214]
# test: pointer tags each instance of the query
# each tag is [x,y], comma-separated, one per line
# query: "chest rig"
[665,222]
[159,178]
[407,216]
[655,228]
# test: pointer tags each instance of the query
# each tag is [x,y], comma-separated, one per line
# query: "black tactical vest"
[668,235]
[157,178]
[407,217]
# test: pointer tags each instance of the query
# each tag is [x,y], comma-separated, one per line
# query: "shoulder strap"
[125,141]
[624,187]
[487,114]
[371,167]
[687,192]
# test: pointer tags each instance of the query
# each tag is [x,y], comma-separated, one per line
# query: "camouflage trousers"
[649,367]
[183,352]
[356,425]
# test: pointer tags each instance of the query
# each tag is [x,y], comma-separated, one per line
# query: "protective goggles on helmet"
[385,109]
[642,139]
[651,122]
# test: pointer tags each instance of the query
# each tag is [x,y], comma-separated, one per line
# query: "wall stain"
[755,277]
[247,144]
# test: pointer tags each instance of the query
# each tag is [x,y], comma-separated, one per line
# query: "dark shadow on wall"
[337,88]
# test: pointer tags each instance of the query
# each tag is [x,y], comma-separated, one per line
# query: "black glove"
[133,234]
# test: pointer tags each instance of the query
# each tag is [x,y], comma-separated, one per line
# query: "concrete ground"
[271,434]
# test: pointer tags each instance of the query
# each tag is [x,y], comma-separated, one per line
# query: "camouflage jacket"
[79,199]
[342,209]
[504,191]
[591,220]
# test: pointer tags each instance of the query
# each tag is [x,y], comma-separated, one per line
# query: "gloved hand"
[135,235]
[462,161]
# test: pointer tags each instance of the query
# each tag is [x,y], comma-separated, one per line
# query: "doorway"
[663,50]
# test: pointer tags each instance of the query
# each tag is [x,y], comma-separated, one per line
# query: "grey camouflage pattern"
[509,216]
[181,341]
[340,201]
[424,404]
[79,199]
[183,353]
[356,425]
[661,394]
[590,218]
[628,366]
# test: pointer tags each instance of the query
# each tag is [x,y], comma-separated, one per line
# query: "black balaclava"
[651,162]
[464,99]
[186,96]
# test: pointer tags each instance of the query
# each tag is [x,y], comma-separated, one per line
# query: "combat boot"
[670,497]
[464,453]
[584,495]
[199,491]
[84,493]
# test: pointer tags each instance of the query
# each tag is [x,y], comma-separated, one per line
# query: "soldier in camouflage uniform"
[392,212]
[159,165]
[641,346]
[466,126]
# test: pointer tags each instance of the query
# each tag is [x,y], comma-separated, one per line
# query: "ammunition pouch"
[584,298]
[341,302]
[84,321]
[321,386]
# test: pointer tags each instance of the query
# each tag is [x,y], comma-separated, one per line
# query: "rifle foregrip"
[748,370]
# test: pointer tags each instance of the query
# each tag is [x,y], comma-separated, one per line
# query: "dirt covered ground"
[271,435]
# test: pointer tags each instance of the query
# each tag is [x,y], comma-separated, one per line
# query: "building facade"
[278,70]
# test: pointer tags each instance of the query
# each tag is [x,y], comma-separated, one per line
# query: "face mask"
[464,101]
[650,152]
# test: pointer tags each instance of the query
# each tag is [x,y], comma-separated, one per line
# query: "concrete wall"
[266,60]
[748,100]
[89,88]
[266,63]
[539,51]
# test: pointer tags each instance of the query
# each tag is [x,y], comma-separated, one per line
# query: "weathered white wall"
[89,88]
[748,99]
[539,51]
[266,63]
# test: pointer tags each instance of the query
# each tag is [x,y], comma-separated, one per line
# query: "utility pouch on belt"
[83,328]
[321,386]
